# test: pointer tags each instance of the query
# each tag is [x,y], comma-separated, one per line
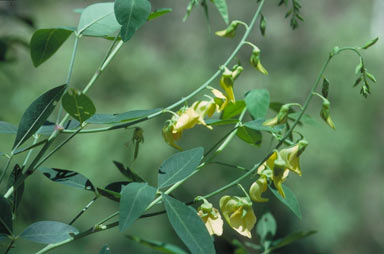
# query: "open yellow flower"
[258,188]
[239,214]
[211,218]
[220,99]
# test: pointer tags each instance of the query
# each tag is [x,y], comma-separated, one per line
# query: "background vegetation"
[341,191]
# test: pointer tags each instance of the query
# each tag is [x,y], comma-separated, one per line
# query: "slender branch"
[83,210]
[71,64]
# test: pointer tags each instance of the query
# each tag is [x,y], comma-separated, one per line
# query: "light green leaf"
[249,135]
[159,246]
[48,232]
[158,13]
[78,105]
[7,128]
[122,117]
[45,42]
[291,238]
[212,121]
[188,226]
[257,102]
[258,125]
[290,199]
[179,166]
[98,20]
[135,198]
[221,6]
[37,113]
[305,119]
[232,110]
[5,217]
[370,43]
[266,227]
[131,15]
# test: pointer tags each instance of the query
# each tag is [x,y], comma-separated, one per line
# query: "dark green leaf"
[232,110]
[325,88]
[212,121]
[262,25]
[3,237]
[78,105]
[17,194]
[135,198]
[5,217]
[112,195]
[370,76]
[179,166]
[122,117]
[159,246]
[45,42]
[188,226]
[158,13]
[37,113]
[221,6]
[7,128]
[258,125]
[370,43]
[105,250]
[67,177]
[290,199]
[48,232]
[98,20]
[266,228]
[131,15]
[249,135]
[291,238]
[257,102]
[117,186]
[132,176]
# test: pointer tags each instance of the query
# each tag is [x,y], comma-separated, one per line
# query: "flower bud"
[325,113]
[257,188]
[255,61]
[230,31]
[280,118]
[226,82]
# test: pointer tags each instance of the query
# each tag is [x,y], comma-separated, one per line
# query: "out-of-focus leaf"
[212,121]
[48,232]
[131,15]
[17,194]
[188,226]
[159,246]
[221,6]
[290,199]
[122,117]
[135,198]
[7,128]
[258,125]
[68,177]
[291,238]
[78,105]
[105,250]
[266,229]
[45,42]
[249,135]
[179,166]
[158,13]
[232,110]
[257,102]
[37,113]
[306,119]
[132,176]
[5,217]
[115,196]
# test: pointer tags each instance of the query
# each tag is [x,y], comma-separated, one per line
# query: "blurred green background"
[341,191]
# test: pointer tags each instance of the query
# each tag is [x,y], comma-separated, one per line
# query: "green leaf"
[78,105]
[131,15]
[257,102]
[132,176]
[115,196]
[7,128]
[221,6]
[17,194]
[290,199]
[3,237]
[158,13]
[370,43]
[48,232]
[98,20]
[5,217]
[159,246]
[291,238]
[179,166]
[135,198]
[68,177]
[258,125]
[45,42]
[262,25]
[232,110]
[105,250]
[188,226]
[249,135]
[212,121]
[37,113]
[325,87]
[305,119]
[266,228]
[122,117]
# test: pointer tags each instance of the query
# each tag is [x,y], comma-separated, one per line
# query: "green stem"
[71,64]
[83,210]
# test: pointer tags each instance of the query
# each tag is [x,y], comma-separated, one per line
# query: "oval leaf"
[179,166]
[249,136]
[135,198]
[67,177]
[257,102]
[45,42]
[188,226]
[37,113]
[266,227]
[232,110]
[48,232]
[122,117]
[7,128]
[98,20]
[131,15]
[290,199]
[78,105]
[5,217]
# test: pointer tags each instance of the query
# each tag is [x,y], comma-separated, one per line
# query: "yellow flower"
[202,109]
[239,214]
[257,188]
[211,218]
[230,31]
[171,137]
[187,119]
[220,99]
[226,82]
[291,156]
